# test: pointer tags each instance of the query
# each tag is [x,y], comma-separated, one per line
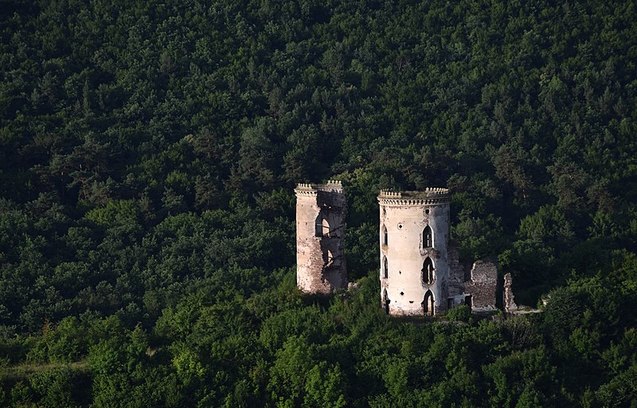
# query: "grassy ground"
[21,371]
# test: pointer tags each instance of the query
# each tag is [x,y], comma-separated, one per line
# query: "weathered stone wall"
[456,272]
[482,286]
[456,277]
[404,215]
[508,299]
[320,230]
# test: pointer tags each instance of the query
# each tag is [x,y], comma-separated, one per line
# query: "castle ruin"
[414,235]
[481,287]
[320,230]
[420,271]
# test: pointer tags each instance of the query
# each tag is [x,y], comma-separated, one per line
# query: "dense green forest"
[148,154]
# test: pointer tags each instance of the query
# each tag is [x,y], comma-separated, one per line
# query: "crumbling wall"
[320,230]
[456,272]
[482,286]
[509,301]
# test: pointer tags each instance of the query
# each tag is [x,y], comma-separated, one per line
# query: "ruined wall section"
[320,231]
[407,289]
[457,295]
[508,299]
[482,286]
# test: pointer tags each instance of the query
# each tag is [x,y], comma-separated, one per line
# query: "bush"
[460,313]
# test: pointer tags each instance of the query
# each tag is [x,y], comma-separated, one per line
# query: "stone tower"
[320,230]
[414,236]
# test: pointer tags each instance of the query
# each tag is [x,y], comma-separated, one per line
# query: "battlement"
[334,186]
[430,195]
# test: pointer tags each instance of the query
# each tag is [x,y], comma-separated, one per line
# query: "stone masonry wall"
[405,290]
[482,286]
[456,273]
[508,299]
[320,230]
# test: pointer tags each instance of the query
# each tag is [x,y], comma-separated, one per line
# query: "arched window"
[326,227]
[427,271]
[385,237]
[427,238]
[428,303]
[321,225]
[385,268]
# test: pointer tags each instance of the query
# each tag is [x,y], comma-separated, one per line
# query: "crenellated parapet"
[332,186]
[428,196]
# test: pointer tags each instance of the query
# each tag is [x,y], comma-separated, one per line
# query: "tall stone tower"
[414,236]
[320,230]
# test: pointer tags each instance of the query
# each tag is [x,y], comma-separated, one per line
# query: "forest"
[148,155]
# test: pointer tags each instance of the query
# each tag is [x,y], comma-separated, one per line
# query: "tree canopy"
[148,152]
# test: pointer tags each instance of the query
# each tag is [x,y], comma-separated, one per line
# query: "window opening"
[428,303]
[385,301]
[325,226]
[330,259]
[427,238]
[321,225]
[427,271]
[385,267]
[467,300]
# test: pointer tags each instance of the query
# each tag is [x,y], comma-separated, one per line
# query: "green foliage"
[460,313]
[148,152]
[522,379]
[115,213]
[55,387]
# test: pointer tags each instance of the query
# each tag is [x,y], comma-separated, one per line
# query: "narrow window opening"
[385,267]
[427,271]
[428,304]
[427,238]
[385,237]
[385,301]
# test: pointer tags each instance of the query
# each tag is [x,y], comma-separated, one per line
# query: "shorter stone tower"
[320,231]
[414,236]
